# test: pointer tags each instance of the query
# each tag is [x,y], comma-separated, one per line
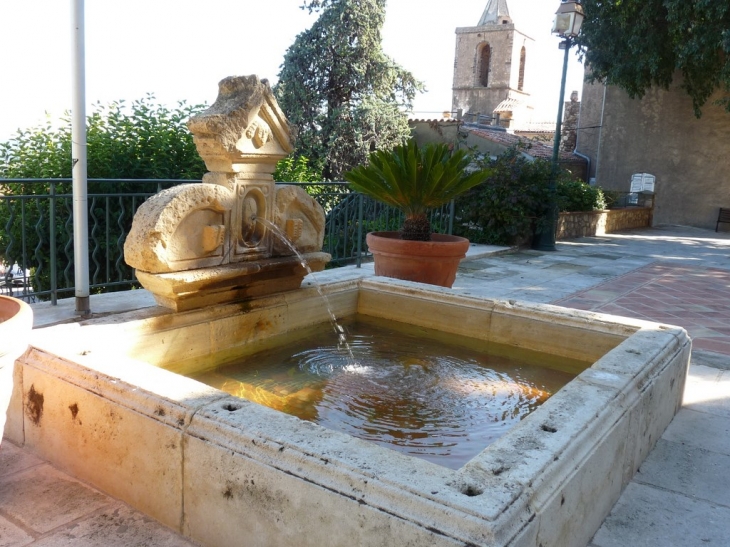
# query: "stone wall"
[434,131]
[660,135]
[593,223]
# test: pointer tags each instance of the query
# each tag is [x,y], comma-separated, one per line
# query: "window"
[485,56]
[521,76]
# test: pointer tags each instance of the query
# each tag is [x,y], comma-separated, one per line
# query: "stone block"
[652,517]
[115,447]
[44,499]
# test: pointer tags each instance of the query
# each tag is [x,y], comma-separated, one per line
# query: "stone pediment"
[244,126]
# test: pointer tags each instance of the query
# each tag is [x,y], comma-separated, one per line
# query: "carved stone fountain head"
[219,241]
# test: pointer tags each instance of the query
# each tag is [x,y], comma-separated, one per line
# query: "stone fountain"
[105,393]
[195,245]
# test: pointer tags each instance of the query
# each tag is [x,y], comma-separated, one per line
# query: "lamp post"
[568,20]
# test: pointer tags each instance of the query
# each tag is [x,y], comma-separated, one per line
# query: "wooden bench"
[723,217]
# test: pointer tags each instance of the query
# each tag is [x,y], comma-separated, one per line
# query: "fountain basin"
[93,397]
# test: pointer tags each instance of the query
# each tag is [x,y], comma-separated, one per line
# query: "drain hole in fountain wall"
[471,491]
[231,407]
[548,428]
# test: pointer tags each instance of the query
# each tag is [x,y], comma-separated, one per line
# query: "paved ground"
[680,496]
[42,507]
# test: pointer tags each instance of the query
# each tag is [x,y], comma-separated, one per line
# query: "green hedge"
[510,205]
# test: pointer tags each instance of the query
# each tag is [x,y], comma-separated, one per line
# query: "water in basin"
[439,397]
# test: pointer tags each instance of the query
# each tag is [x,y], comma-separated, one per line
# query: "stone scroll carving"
[237,214]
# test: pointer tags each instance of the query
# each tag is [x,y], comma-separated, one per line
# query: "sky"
[180,50]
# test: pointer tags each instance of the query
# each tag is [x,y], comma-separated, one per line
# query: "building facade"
[660,135]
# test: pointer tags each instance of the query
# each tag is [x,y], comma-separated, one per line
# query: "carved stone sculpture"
[222,240]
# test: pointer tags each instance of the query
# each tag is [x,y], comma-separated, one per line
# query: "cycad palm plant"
[415,179]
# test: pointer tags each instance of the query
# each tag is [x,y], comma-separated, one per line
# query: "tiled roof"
[537,149]
[433,120]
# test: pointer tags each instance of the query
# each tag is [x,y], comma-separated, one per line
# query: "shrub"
[140,140]
[504,210]
[509,207]
[296,169]
[611,197]
[576,195]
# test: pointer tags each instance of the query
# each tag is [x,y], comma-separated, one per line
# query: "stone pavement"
[680,496]
[41,506]
[698,298]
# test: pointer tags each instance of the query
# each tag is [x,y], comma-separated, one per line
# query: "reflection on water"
[406,389]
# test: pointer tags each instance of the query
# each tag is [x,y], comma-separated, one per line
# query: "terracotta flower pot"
[434,262]
[16,322]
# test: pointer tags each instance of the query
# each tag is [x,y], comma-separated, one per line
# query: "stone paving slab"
[12,536]
[42,506]
[681,494]
[116,525]
[27,496]
[708,391]
[646,516]
[699,429]
[695,472]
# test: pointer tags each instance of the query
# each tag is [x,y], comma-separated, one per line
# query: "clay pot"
[16,322]
[434,262]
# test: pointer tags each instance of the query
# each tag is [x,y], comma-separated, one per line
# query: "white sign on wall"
[642,182]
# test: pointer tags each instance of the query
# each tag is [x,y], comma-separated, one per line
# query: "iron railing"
[36,231]
[620,200]
[351,215]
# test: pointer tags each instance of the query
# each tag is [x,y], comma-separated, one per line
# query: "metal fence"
[621,200]
[36,231]
[350,216]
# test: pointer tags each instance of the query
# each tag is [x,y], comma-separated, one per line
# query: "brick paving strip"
[695,298]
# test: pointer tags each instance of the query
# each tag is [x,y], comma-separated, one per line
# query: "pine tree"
[345,95]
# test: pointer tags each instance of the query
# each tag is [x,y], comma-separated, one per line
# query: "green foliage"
[505,209]
[296,169]
[344,94]
[610,197]
[508,207]
[416,179]
[575,195]
[142,140]
[638,44]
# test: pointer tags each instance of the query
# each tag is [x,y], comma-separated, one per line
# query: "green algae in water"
[426,393]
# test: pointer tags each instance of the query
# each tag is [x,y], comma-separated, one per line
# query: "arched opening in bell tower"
[485,57]
[521,74]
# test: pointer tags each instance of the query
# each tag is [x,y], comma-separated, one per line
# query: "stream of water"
[343,344]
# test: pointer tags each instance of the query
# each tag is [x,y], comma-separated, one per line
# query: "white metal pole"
[78,158]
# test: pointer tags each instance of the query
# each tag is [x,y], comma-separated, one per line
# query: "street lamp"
[567,23]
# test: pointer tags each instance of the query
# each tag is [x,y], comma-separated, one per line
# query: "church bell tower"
[492,61]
